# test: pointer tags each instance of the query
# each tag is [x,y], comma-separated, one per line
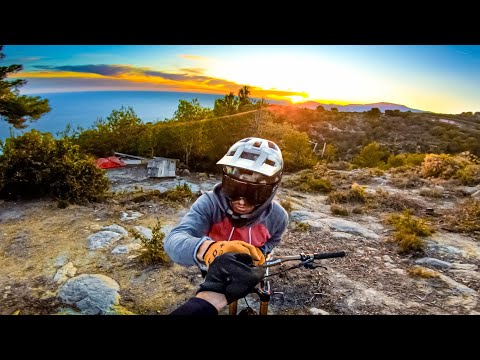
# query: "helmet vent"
[249,156]
[231,153]
[270,162]
[271,145]
[257,144]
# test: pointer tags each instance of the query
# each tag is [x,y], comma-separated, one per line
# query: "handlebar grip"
[329,255]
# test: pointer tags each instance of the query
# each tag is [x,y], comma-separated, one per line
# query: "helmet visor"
[255,194]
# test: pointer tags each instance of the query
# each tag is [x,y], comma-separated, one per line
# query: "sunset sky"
[438,78]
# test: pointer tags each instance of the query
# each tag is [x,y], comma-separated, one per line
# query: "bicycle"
[264,291]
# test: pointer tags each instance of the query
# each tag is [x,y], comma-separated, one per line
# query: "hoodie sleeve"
[182,243]
[279,221]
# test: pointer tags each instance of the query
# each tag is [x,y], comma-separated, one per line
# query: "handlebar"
[303,257]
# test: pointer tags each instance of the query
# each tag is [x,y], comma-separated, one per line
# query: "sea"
[84,108]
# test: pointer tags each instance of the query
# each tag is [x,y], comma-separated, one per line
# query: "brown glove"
[220,247]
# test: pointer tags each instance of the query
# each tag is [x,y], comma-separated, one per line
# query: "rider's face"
[241,206]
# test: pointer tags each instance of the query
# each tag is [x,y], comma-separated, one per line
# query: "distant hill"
[357,107]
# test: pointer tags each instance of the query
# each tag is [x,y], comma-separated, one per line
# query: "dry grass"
[398,202]
[301,226]
[435,192]
[287,205]
[466,217]
[423,272]
[338,210]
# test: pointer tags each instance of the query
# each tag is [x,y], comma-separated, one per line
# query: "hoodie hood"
[256,215]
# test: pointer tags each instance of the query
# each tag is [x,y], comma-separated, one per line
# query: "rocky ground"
[84,259]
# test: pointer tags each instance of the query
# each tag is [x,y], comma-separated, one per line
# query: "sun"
[296,99]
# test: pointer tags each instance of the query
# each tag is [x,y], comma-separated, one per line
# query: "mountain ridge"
[357,107]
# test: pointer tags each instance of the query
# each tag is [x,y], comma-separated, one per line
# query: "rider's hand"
[232,274]
[220,247]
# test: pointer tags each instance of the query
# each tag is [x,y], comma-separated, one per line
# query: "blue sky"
[438,78]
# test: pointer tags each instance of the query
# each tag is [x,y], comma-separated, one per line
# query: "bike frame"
[263,290]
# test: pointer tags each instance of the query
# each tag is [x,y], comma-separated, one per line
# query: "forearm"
[196,306]
[216,299]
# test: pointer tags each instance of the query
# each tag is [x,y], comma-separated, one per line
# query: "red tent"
[110,162]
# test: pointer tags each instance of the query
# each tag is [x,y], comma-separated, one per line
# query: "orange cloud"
[193,57]
[189,80]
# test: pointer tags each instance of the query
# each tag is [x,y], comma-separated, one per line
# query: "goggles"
[255,194]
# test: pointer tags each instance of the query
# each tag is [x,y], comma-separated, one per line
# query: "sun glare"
[294,99]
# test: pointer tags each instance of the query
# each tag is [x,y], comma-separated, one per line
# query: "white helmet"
[252,168]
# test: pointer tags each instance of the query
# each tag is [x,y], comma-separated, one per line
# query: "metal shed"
[131,159]
[161,167]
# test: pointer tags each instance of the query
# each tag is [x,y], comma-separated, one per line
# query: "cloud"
[192,57]
[105,70]
[198,71]
[127,77]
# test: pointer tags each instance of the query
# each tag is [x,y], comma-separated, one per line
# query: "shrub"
[287,205]
[301,226]
[372,155]
[405,160]
[420,271]
[338,210]
[436,192]
[355,194]
[442,166]
[407,227]
[153,251]
[469,175]
[181,193]
[306,181]
[36,165]
[466,217]
[394,201]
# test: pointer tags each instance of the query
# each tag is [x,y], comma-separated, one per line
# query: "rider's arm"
[204,303]
[278,222]
[187,239]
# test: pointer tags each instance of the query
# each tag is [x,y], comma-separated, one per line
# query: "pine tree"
[17,109]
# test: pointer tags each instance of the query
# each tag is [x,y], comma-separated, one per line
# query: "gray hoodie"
[210,218]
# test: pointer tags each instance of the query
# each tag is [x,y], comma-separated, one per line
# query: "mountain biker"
[238,214]
[230,277]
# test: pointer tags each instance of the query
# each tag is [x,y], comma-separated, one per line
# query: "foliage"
[153,251]
[36,165]
[338,210]
[308,182]
[121,131]
[395,201]
[356,194]
[181,193]
[466,217]
[287,205]
[330,154]
[231,104]
[423,272]
[17,109]
[191,111]
[435,192]
[408,160]
[441,166]
[297,151]
[301,226]
[407,227]
[372,155]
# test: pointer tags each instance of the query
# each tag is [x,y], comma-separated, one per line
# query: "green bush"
[372,155]
[153,251]
[36,165]
[181,193]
